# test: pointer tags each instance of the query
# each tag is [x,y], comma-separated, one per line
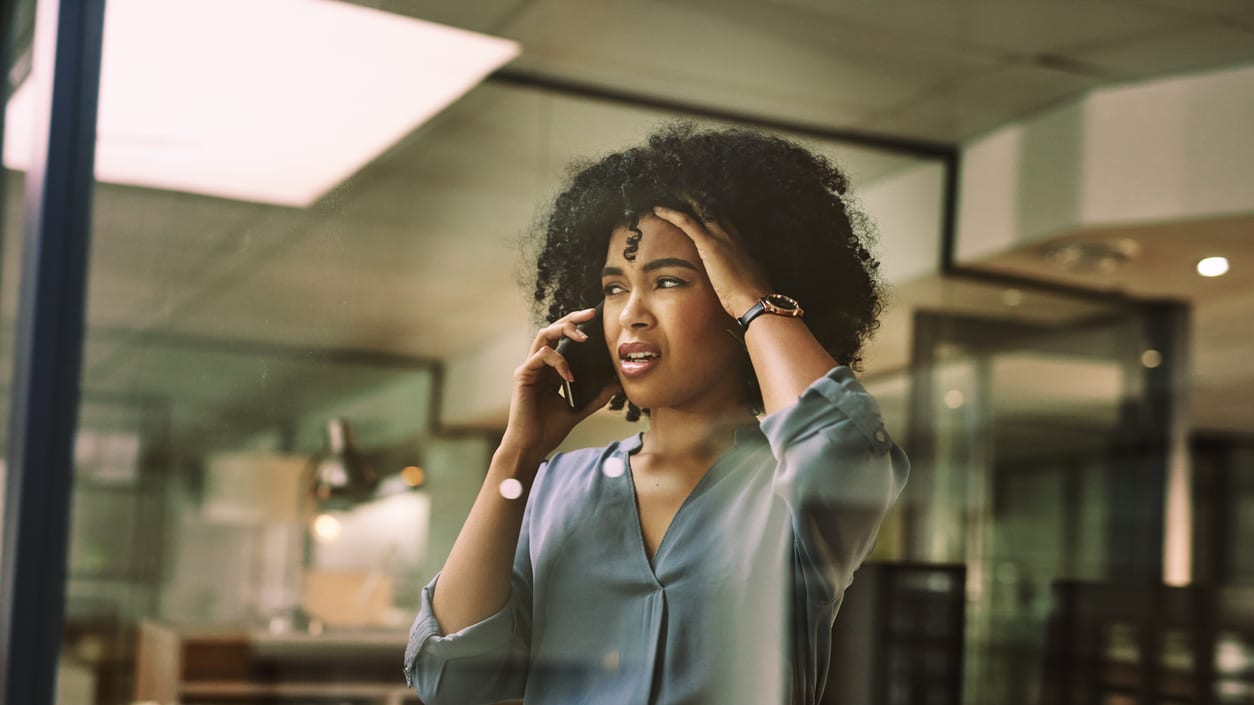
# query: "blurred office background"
[304,251]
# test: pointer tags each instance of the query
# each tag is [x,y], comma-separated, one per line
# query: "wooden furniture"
[1142,644]
[188,665]
[898,637]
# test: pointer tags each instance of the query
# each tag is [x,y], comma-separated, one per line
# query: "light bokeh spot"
[327,527]
[1213,267]
[511,489]
[954,399]
[613,466]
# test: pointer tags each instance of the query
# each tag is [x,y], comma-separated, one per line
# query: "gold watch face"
[781,305]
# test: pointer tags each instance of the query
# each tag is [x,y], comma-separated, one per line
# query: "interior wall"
[1171,149]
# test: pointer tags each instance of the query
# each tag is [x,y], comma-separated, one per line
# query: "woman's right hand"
[539,418]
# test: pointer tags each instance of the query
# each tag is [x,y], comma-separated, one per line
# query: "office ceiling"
[417,255]
[944,70]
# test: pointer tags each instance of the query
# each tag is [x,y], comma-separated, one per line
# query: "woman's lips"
[636,368]
[647,357]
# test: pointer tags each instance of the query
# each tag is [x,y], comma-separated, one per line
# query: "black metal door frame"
[48,345]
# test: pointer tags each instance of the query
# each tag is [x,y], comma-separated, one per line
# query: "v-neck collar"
[747,433]
[744,435]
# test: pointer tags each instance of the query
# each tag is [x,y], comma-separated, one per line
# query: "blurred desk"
[202,664]
[899,636]
[1130,643]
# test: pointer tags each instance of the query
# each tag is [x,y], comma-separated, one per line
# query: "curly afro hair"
[791,207]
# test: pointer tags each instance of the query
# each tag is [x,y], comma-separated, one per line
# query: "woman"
[704,559]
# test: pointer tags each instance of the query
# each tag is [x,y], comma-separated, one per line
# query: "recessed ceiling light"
[1213,267]
[275,102]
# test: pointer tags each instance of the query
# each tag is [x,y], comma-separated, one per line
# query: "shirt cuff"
[425,636]
[831,398]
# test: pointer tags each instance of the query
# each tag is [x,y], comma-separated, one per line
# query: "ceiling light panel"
[274,102]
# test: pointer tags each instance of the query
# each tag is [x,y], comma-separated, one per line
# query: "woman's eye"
[609,289]
[669,282]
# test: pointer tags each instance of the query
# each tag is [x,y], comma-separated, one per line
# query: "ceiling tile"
[980,102]
[401,289]
[1021,27]
[1202,10]
[739,56]
[1189,47]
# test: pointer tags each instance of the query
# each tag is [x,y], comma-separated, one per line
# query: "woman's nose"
[636,313]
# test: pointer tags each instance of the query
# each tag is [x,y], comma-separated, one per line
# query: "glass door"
[1043,432]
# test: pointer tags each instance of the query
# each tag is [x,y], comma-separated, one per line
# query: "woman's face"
[664,325]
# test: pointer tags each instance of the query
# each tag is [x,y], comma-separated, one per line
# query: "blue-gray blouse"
[738,602]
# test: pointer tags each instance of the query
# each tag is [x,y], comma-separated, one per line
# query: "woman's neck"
[693,435]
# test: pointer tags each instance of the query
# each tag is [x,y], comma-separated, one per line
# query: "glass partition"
[1013,401]
[290,399]
[236,345]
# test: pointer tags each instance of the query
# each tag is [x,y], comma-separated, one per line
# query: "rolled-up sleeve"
[483,663]
[839,472]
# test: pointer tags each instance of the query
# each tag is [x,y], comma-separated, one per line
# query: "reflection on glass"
[228,322]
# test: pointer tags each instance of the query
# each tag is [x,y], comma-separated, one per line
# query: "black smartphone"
[589,361]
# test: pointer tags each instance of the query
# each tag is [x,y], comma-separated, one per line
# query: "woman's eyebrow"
[669,262]
[655,264]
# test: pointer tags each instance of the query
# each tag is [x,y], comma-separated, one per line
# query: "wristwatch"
[777,304]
